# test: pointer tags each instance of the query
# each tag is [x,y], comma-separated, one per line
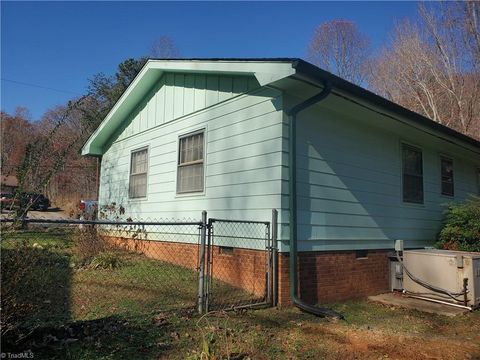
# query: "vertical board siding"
[243,152]
[349,182]
[200,90]
[189,94]
[177,94]
[159,102]
[169,100]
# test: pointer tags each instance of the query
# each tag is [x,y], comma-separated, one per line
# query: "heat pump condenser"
[446,270]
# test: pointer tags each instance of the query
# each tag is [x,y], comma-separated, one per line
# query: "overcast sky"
[49,50]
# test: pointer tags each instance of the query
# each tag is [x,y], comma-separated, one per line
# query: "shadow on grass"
[35,291]
[108,337]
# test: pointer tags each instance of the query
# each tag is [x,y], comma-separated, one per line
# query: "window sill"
[130,200]
[190,194]
[413,205]
[447,197]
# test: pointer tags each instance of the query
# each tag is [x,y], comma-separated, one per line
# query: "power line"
[64,166]
[39,86]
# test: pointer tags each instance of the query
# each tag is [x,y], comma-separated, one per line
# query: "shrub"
[88,243]
[461,230]
[106,260]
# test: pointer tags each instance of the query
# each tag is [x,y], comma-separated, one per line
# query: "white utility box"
[443,269]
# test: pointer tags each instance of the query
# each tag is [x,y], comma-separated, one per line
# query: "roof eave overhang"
[265,72]
[314,74]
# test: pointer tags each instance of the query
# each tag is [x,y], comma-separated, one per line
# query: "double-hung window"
[446,166]
[190,172]
[412,172]
[138,174]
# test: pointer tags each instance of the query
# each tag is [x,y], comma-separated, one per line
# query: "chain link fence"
[239,256]
[61,271]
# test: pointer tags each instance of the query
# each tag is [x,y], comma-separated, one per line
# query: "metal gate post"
[209,264]
[201,278]
[268,248]
[273,269]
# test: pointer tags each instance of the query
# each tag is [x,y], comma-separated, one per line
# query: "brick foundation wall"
[243,268]
[327,276]
[182,254]
[324,276]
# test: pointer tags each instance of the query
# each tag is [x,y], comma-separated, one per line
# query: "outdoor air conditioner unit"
[448,270]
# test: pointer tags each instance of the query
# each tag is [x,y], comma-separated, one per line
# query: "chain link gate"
[239,263]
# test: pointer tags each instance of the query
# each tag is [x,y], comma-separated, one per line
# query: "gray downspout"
[293,205]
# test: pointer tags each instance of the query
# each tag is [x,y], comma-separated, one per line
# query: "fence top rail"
[99,222]
[267,223]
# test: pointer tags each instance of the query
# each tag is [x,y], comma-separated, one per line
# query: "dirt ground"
[369,331]
[342,342]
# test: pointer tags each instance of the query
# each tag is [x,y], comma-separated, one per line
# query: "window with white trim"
[190,173]
[412,171]
[138,174]
[446,166]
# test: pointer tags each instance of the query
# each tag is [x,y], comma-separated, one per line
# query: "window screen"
[138,174]
[447,176]
[190,164]
[412,174]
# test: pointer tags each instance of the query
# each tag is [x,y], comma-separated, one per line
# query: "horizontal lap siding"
[349,183]
[242,165]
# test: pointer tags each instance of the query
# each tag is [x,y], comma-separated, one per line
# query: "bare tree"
[432,66]
[471,11]
[76,176]
[57,136]
[16,132]
[339,47]
[164,48]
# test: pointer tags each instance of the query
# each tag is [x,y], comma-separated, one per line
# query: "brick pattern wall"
[244,268]
[323,276]
[334,276]
[182,254]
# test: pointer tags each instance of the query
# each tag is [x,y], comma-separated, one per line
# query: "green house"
[216,135]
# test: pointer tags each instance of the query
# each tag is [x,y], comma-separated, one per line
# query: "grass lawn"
[369,331]
[144,309]
[46,284]
[64,289]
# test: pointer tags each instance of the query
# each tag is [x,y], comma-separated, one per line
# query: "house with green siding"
[228,136]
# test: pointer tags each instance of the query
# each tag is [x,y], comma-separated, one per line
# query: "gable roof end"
[265,71]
